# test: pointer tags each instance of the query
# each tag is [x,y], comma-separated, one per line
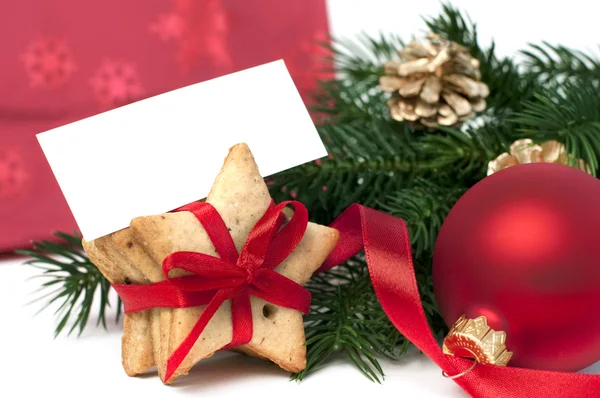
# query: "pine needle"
[75,280]
[570,115]
[346,318]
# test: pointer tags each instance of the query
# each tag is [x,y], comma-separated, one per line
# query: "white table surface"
[34,364]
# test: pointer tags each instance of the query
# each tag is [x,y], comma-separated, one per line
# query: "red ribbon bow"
[227,277]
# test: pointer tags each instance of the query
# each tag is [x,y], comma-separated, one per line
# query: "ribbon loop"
[216,229]
[199,264]
[260,250]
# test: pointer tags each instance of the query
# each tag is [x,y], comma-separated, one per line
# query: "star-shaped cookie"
[123,260]
[241,197]
[137,349]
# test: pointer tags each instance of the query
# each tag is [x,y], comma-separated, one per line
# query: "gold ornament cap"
[525,151]
[473,338]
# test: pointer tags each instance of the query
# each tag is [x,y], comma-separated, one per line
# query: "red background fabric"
[64,60]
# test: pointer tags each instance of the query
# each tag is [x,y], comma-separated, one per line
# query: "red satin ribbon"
[386,243]
[227,277]
[387,248]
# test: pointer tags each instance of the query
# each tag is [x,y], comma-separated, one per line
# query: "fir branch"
[372,157]
[71,281]
[555,64]
[355,92]
[363,163]
[460,154]
[571,116]
[455,26]
[345,101]
[423,207]
[346,317]
[361,60]
[508,85]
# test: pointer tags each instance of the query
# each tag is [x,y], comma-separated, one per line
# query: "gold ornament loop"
[461,374]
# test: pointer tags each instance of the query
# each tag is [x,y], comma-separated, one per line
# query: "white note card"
[152,156]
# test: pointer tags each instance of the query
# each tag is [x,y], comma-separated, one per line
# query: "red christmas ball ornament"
[522,249]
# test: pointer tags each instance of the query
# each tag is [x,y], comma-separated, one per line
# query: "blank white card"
[163,152]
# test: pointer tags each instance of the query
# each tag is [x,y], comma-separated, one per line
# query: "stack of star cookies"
[135,255]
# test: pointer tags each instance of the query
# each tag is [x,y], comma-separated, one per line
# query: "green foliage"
[346,317]
[71,281]
[369,159]
[455,26]
[359,168]
[360,60]
[414,174]
[508,86]
[424,206]
[570,115]
[551,64]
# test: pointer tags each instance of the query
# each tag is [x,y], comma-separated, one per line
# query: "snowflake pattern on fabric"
[201,30]
[48,62]
[116,83]
[53,72]
[169,26]
[13,176]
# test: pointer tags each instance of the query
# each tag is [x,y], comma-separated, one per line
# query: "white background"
[512,23]
[32,363]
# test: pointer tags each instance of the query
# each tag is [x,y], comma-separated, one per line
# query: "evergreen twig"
[346,317]
[71,281]
[555,64]
[424,206]
[571,116]
[508,85]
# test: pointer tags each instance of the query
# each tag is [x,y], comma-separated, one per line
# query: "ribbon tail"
[389,259]
[350,228]
[387,248]
[388,252]
[185,347]
[241,318]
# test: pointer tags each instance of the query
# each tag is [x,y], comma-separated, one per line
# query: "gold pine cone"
[525,151]
[435,82]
